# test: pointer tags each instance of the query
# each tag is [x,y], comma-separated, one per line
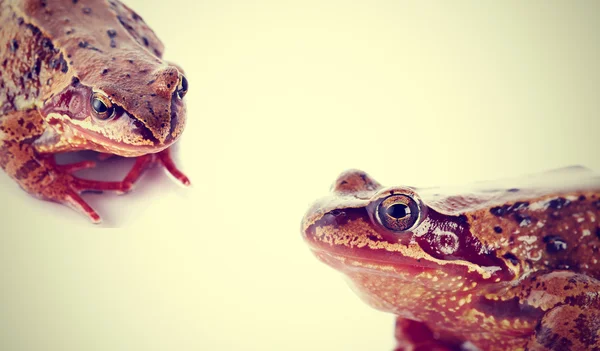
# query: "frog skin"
[83,75]
[495,266]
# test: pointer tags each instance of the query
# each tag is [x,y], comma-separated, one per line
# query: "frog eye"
[182,87]
[398,213]
[103,108]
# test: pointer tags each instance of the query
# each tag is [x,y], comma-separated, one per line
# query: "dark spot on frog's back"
[498,229]
[136,17]
[500,211]
[558,203]
[47,44]
[34,30]
[64,67]
[112,34]
[523,220]
[86,10]
[555,243]
[37,66]
[124,23]
[14,45]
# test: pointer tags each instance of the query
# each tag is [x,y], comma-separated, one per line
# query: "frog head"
[119,114]
[403,250]
[110,90]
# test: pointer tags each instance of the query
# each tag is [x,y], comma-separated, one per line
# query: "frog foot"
[163,159]
[416,336]
[66,188]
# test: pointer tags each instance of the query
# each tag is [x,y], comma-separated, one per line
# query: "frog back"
[548,221]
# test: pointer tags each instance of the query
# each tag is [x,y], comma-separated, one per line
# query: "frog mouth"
[351,263]
[351,233]
[123,136]
[384,263]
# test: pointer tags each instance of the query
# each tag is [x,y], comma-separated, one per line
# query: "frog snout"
[354,180]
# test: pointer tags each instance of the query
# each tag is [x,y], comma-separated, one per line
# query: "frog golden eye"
[398,213]
[102,107]
[182,87]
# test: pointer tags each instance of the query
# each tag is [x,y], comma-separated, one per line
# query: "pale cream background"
[283,96]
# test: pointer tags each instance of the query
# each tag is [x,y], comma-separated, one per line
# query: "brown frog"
[488,267]
[83,75]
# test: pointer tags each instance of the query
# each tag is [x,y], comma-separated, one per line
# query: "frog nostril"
[337,213]
[182,87]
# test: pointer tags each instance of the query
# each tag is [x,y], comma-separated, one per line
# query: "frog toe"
[144,162]
[74,201]
[165,159]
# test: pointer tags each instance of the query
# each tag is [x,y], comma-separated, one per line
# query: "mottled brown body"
[59,58]
[494,267]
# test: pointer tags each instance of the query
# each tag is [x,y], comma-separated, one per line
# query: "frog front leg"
[39,174]
[567,328]
[416,336]
[162,159]
[574,321]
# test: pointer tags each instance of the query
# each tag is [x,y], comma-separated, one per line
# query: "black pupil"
[398,211]
[99,106]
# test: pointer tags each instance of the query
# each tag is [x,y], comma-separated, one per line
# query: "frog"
[84,75]
[511,264]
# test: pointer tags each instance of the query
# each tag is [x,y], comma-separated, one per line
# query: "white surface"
[283,96]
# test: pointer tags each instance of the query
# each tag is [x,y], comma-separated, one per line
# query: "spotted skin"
[56,57]
[509,265]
